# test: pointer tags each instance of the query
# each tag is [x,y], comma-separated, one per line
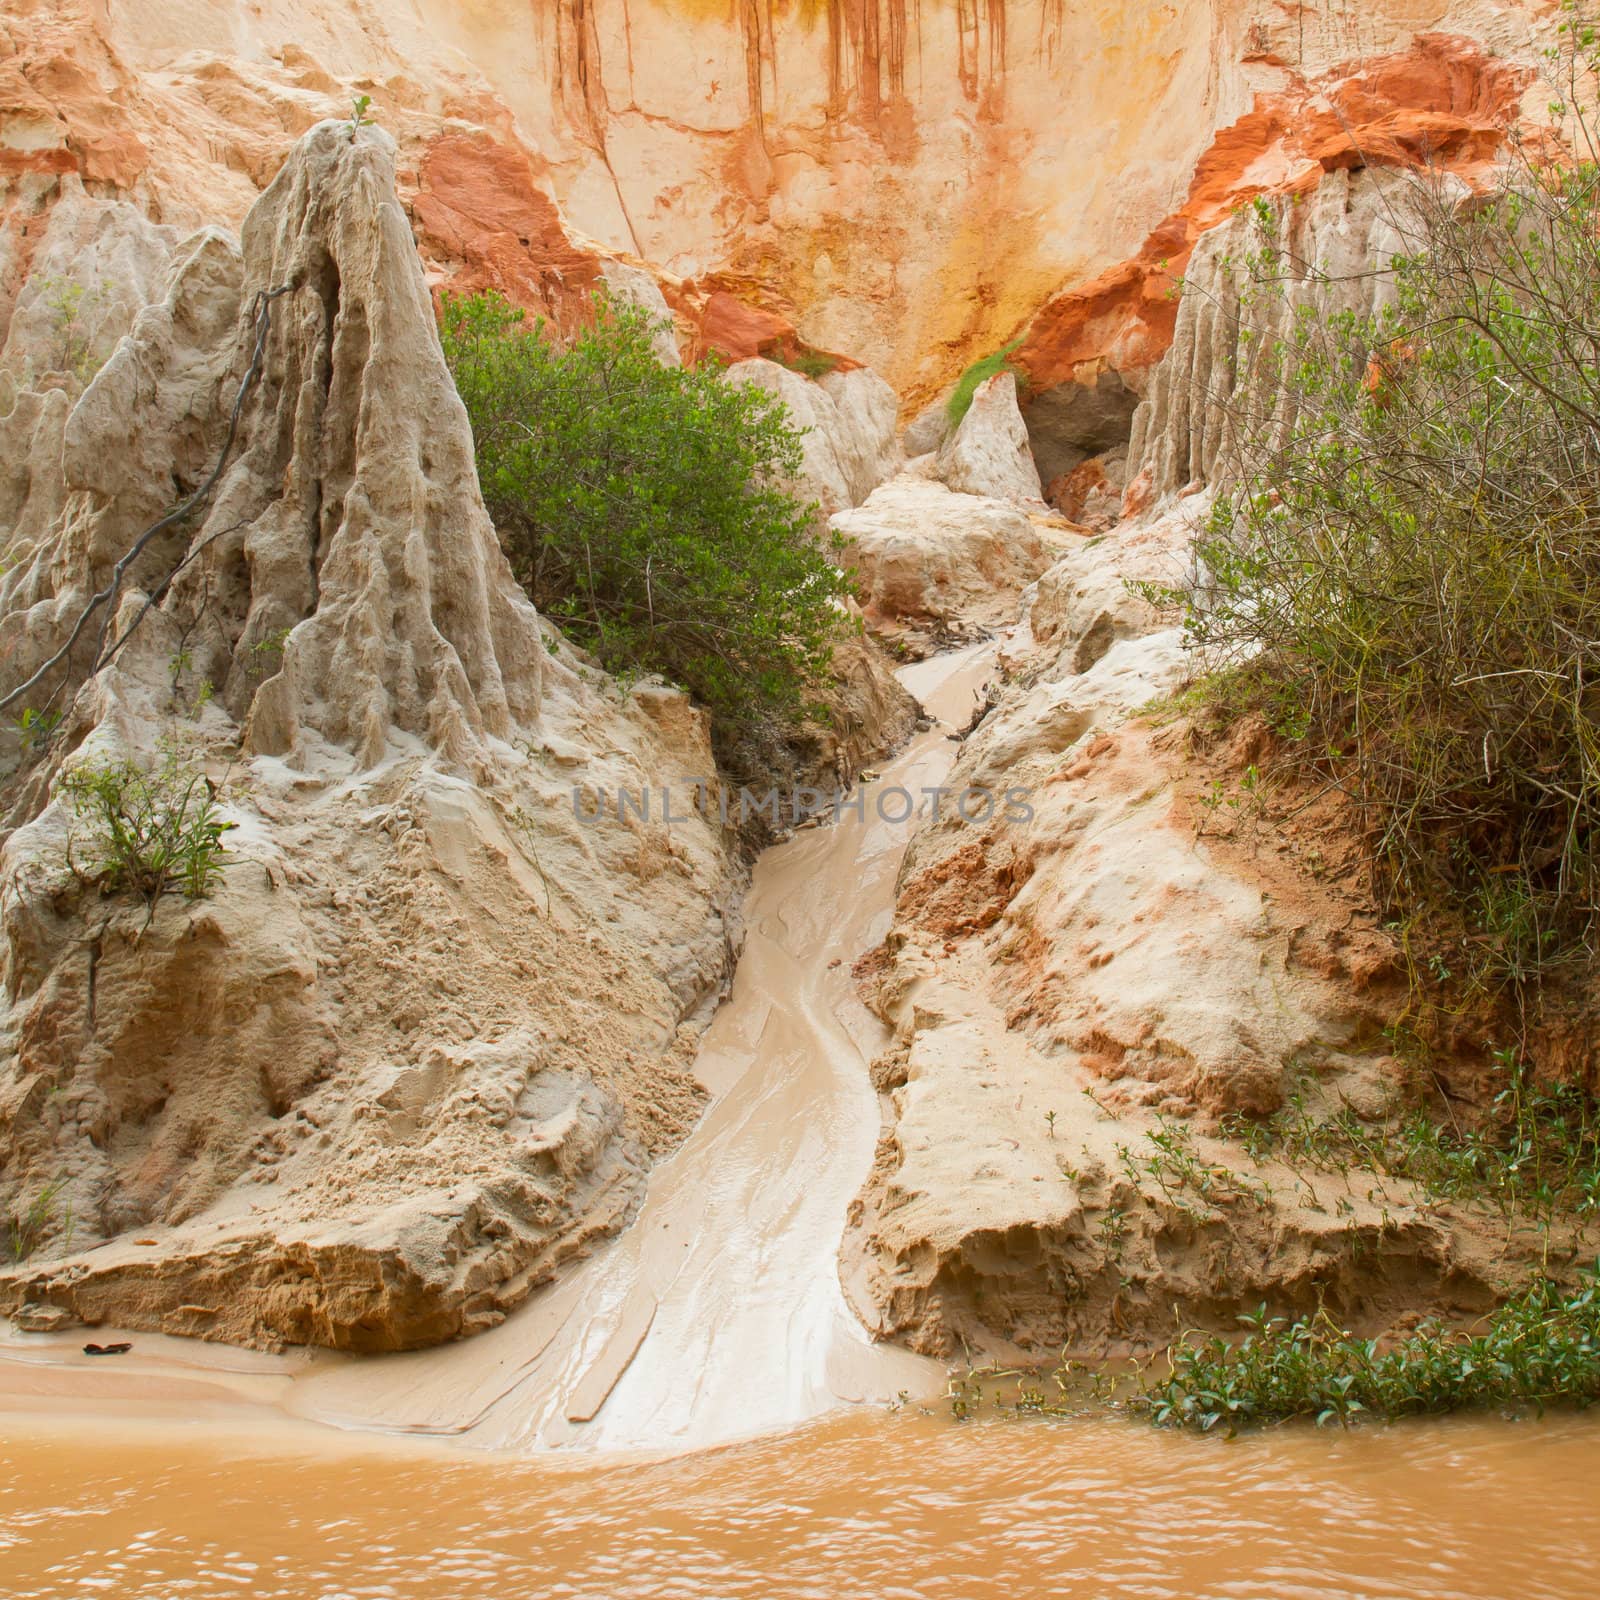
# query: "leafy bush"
[145,832]
[1405,569]
[1540,1348]
[646,509]
[978,374]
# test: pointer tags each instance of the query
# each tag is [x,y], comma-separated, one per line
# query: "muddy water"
[859,1506]
[201,1471]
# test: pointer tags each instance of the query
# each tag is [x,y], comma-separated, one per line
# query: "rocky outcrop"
[1333,245]
[424,1035]
[847,425]
[1444,101]
[1092,493]
[938,563]
[988,452]
[1098,960]
[927,430]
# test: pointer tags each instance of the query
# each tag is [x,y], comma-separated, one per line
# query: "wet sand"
[719,1314]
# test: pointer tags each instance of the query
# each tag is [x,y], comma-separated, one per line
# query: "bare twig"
[261,313]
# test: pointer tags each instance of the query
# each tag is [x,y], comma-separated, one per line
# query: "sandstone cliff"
[907,185]
[426,1033]
[425,1037]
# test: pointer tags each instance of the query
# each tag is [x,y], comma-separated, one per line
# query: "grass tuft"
[979,373]
[145,832]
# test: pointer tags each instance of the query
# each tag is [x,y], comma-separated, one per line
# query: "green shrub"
[1404,570]
[645,508]
[1540,1348]
[25,1228]
[978,374]
[811,364]
[145,832]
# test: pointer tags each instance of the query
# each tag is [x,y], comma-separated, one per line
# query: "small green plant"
[1109,1112]
[1541,1348]
[523,821]
[1535,1154]
[1112,1231]
[68,303]
[145,832]
[266,654]
[811,364]
[36,728]
[978,374]
[1171,1161]
[24,1229]
[358,114]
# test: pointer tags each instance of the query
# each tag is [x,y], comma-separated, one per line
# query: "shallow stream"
[717,1415]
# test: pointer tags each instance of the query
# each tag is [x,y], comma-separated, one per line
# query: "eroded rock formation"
[422,1041]
[933,565]
[424,1036]
[1098,990]
[988,452]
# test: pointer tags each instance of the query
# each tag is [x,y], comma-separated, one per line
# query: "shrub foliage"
[647,509]
[1541,1348]
[1405,571]
[145,832]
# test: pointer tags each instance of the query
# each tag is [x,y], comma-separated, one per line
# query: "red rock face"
[57,121]
[483,222]
[904,183]
[1444,103]
[55,71]
[734,327]
[477,209]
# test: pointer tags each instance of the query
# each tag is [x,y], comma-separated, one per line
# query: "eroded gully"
[719,1316]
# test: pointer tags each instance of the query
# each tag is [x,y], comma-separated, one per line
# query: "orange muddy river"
[599,1443]
[857,1506]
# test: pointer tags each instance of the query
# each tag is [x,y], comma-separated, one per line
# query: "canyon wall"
[425,1038]
[907,183]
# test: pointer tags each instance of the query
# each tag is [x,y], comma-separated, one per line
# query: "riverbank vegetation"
[647,509]
[1538,1350]
[1541,1348]
[1401,573]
